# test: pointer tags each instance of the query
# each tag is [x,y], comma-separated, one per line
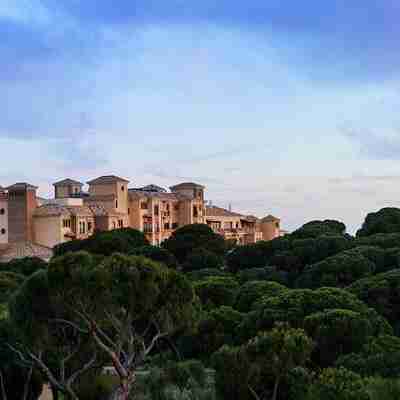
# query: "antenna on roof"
[230,207]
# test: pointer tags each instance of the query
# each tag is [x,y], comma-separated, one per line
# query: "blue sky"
[280,107]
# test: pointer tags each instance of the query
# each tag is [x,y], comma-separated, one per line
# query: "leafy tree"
[381,292]
[216,291]
[264,274]
[314,229]
[9,283]
[279,351]
[123,307]
[338,384]
[200,259]
[232,373]
[337,271]
[383,240]
[123,240]
[17,381]
[386,220]
[379,357]
[253,291]
[383,389]
[157,254]
[337,332]
[217,328]
[207,273]
[392,259]
[185,240]
[24,266]
[293,306]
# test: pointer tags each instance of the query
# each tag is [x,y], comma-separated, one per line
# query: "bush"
[207,273]
[25,266]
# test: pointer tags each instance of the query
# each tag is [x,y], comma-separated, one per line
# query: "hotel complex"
[110,204]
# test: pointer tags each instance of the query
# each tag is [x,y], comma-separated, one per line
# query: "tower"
[21,205]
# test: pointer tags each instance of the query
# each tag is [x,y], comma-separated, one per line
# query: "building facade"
[110,204]
[3,217]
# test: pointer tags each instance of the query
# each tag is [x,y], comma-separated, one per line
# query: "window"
[129,211]
[277,224]
[116,203]
[147,227]
[166,226]
[176,207]
[122,188]
[114,225]
[66,223]
[195,212]
[3,231]
[89,226]
[120,223]
[156,210]
[144,205]
[175,225]
[2,211]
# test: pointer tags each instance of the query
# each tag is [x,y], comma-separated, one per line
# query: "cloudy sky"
[278,106]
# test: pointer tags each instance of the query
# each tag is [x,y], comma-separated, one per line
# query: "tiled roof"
[107,179]
[21,250]
[214,211]
[21,186]
[251,218]
[99,197]
[67,182]
[184,185]
[138,194]
[80,211]
[51,210]
[270,218]
[152,188]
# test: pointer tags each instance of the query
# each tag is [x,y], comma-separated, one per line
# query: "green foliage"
[206,273]
[216,291]
[253,291]
[383,389]
[293,306]
[386,220]
[97,388]
[383,240]
[123,240]
[157,254]
[381,292]
[9,283]
[338,384]
[186,380]
[185,240]
[337,332]
[315,229]
[217,328]
[23,266]
[380,356]
[233,373]
[201,258]
[339,270]
[14,374]
[279,351]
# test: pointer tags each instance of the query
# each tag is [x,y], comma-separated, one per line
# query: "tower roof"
[21,186]
[107,179]
[270,218]
[187,185]
[67,182]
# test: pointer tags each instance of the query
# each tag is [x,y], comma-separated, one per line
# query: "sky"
[278,107]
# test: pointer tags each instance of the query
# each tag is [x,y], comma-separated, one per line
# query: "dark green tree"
[386,220]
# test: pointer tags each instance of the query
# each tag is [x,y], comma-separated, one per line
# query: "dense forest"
[313,315]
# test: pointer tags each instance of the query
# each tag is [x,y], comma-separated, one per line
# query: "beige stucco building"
[110,204]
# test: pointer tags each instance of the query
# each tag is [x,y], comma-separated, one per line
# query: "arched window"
[3,231]
[2,211]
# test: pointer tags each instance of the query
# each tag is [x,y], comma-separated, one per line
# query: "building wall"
[270,230]
[21,206]
[3,220]
[122,195]
[66,191]
[49,231]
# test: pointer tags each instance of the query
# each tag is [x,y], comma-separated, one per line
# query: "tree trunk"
[123,390]
[275,394]
[28,384]
[2,384]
